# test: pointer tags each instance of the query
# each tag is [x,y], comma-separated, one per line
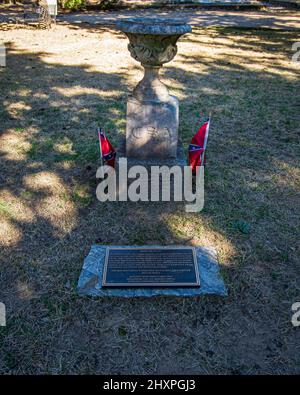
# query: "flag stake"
[206,138]
[100,149]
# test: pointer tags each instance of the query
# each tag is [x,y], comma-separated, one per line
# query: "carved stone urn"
[152,113]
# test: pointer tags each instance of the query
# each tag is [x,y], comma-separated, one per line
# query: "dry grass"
[57,85]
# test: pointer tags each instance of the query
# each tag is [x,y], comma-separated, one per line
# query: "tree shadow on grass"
[50,218]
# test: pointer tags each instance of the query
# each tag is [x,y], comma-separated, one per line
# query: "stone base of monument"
[179,160]
[95,281]
[152,128]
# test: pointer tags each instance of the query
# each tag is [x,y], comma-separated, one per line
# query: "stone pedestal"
[152,128]
[152,114]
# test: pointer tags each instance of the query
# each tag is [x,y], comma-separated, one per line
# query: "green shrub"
[77,4]
[73,4]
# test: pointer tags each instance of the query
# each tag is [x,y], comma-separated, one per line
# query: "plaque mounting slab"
[150,267]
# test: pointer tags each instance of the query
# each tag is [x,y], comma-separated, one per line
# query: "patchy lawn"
[56,87]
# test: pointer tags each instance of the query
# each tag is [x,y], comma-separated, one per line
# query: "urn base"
[152,128]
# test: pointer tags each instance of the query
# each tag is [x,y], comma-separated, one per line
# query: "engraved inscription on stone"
[151,132]
[152,128]
[166,266]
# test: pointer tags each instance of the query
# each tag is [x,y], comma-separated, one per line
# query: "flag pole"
[206,137]
[100,148]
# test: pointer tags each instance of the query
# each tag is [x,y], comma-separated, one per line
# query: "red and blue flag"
[107,151]
[198,146]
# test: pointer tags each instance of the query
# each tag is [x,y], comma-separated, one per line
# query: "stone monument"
[152,113]
[151,134]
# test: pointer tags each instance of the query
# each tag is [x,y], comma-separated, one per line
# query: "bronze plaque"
[151,267]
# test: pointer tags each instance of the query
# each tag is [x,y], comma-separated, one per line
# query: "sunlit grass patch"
[81,195]
[5,208]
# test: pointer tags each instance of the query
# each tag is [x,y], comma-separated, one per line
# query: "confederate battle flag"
[107,151]
[198,146]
